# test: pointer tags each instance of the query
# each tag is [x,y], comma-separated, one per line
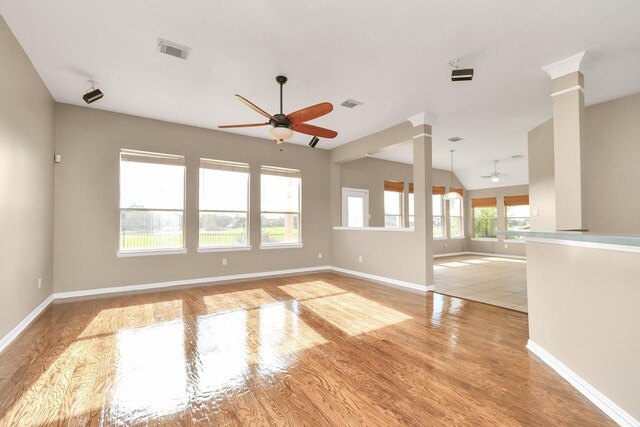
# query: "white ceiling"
[391,56]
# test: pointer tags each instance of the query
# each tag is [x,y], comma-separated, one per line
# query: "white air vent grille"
[351,103]
[173,49]
[455,139]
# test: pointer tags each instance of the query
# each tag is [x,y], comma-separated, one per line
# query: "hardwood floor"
[319,349]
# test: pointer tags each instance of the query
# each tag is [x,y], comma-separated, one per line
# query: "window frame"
[461,216]
[441,216]
[229,166]
[482,203]
[511,201]
[123,252]
[286,172]
[395,187]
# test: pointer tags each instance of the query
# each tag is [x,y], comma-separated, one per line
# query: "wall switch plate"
[224,261]
[319,255]
[39,282]
[535,212]
[360,258]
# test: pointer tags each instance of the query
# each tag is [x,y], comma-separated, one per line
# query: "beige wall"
[400,255]
[542,193]
[86,204]
[498,246]
[610,195]
[27,114]
[587,317]
[370,174]
[611,172]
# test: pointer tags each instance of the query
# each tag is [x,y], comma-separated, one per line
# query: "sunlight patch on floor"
[250,298]
[354,314]
[314,289]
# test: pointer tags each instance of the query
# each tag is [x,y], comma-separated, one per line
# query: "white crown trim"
[564,66]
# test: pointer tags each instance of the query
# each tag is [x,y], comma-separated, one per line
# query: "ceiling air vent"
[455,139]
[173,49]
[350,103]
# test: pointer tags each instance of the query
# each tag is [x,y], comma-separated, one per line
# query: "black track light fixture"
[314,142]
[458,73]
[92,94]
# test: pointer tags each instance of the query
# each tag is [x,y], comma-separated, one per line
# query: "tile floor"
[489,279]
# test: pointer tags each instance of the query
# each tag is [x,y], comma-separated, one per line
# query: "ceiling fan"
[283,125]
[495,176]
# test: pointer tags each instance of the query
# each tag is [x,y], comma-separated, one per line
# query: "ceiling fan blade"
[487,176]
[504,175]
[247,125]
[314,130]
[310,113]
[255,107]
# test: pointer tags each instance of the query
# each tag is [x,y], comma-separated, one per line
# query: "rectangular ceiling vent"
[173,49]
[350,103]
[455,139]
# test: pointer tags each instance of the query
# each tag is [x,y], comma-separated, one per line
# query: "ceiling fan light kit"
[283,125]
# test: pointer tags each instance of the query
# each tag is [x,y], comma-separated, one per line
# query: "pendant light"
[452,195]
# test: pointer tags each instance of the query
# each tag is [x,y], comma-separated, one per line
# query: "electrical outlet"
[319,255]
[445,246]
[224,261]
[39,282]
[506,246]
[360,258]
[535,212]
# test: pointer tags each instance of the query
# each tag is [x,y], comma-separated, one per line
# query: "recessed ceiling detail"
[351,103]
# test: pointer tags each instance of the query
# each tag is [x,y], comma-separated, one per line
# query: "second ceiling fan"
[283,125]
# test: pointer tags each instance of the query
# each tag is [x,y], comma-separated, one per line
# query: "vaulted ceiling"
[392,56]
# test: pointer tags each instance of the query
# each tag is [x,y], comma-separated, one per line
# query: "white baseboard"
[479,253]
[449,254]
[615,412]
[382,279]
[498,255]
[8,339]
[185,282]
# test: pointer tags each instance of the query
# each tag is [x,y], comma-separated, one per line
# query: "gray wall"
[27,113]
[497,247]
[370,174]
[86,200]
[611,173]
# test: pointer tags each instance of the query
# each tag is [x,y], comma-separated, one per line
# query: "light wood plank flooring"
[489,279]
[320,349]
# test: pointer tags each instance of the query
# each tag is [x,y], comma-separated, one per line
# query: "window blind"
[394,186]
[437,190]
[144,157]
[516,200]
[273,170]
[224,165]
[460,191]
[486,202]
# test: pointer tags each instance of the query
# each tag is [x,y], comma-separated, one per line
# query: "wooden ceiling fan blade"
[255,107]
[315,130]
[310,113]
[246,125]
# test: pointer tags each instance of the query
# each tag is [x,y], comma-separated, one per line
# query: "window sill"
[151,252]
[401,229]
[281,246]
[457,238]
[223,249]
[439,238]
[484,239]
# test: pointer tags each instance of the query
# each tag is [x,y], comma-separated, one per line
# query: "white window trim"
[484,239]
[439,238]
[150,252]
[345,211]
[205,249]
[391,229]
[517,241]
[286,245]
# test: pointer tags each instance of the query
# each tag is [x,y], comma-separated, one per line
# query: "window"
[355,207]
[280,196]
[438,212]
[517,214]
[393,203]
[484,218]
[456,228]
[224,202]
[412,217]
[151,201]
